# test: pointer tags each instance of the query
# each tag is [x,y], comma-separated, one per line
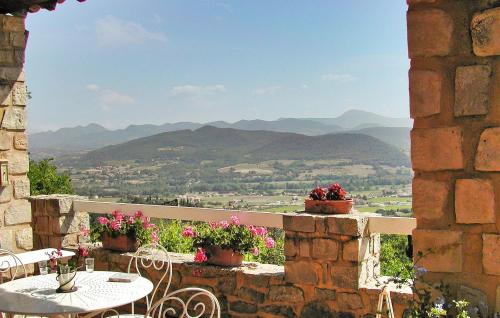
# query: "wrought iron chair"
[11,264]
[199,302]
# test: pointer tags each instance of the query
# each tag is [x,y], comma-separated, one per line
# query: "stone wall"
[15,216]
[454,48]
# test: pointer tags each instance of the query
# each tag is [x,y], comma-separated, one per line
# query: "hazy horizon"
[201,61]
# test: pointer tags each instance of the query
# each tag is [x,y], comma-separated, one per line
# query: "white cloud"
[344,78]
[107,98]
[196,90]
[112,31]
[269,90]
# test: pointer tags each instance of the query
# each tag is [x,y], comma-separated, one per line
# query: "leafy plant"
[44,179]
[333,192]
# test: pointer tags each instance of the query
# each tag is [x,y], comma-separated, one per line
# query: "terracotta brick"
[299,223]
[305,248]
[488,150]
[425,93]
[430,33]
[351,224]
[474,201]
[429,198]
[485,30]
[472,86]
[491,254]
[434,149]
[349,301]
[441,249]
[325,249]
[306,273]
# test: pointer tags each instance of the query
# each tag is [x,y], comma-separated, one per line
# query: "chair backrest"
[190,302]
[11,264]
[148,258]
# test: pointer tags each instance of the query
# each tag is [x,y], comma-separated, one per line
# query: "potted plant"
[124,233]
[331,200]
[224,243]
[66,271]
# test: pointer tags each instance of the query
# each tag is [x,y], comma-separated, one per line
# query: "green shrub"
[393,259]
[170,234]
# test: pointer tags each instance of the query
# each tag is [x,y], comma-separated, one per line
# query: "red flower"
[83,251]
[335,192]
[317,194]
[188,232]
[200,256]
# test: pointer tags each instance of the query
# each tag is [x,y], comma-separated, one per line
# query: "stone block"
[472,87]
[243,307]
[351,250]
[11,23]
[21,188]
[440,250]
[18,162]
[345,276]
[24,238]
[485,30]
[18,212]
[425,93]
[12,74]
[250,295]
[7,57]
[19,94]
[5,95]
[304,248]
[42,225]
[488,150]
[5,140]
[17,39]
[20,141]
[289,294]
[277,311]
[5,194]
[70,224]
[325,294]
[299,223]
[491,254]
[349,301]
[351,224]
[474,201]
[289,248]
[302,272]
[430,33]
[411,2]
[7,239]
[497,302]
[14,119]
[430,198]
[325,249]
[60,204]
[434,149]
[318,309]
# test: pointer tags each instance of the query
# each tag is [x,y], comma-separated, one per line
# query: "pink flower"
[115,225]
[138,214]
[84,231]
[269,242]
[154,237]
[118,216]
[83,251]
[130,220]
[102,220]
[213,225]
[235,220]
[261,231]
[149,225]
[224,224]
[255,251]
[188,232]
[253,230]
[200,256]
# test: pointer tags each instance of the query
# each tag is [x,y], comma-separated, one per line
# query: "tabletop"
[36,295]
[32,257]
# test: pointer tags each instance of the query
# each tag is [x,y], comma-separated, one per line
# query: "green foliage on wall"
[45,179]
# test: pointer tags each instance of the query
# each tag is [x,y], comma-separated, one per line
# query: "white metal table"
[36,295]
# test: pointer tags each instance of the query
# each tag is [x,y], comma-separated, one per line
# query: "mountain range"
[394,131]
[229,146]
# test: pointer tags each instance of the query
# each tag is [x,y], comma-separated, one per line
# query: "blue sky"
[113,63]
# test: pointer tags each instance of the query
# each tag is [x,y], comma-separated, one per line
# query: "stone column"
[15,216]
[454,48]
[330,258]
[55,223]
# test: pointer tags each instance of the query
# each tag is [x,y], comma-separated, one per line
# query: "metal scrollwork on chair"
[11,264]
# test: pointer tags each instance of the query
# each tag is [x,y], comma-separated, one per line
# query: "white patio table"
[36,295]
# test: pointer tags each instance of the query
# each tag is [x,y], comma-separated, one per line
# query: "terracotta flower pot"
[224,257]
[121,243]
[329,206]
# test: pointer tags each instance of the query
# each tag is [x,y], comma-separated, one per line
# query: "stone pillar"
[55,223]
[454,48]
[15,216]
[330,258]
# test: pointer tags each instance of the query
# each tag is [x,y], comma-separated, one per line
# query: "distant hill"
[233,145]
[93,136]
[352,118]
[396,136]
